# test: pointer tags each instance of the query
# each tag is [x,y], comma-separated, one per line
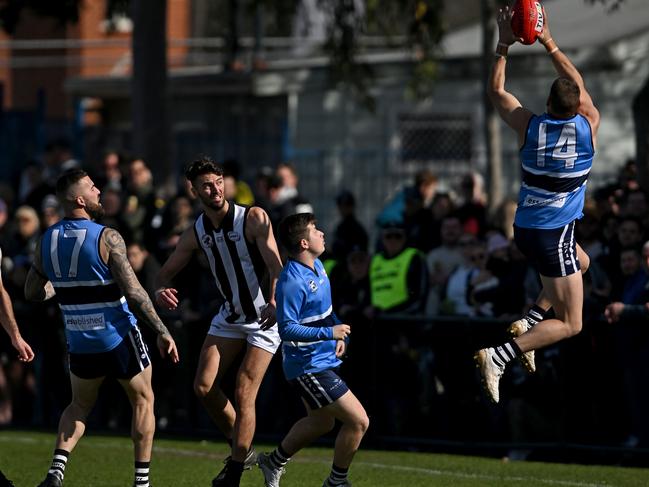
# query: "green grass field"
[107,461]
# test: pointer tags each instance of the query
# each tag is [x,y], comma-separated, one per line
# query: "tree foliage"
[420,21]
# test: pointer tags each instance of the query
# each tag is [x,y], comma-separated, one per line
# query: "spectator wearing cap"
[398,276]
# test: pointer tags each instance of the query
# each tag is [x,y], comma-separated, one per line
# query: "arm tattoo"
[137,298]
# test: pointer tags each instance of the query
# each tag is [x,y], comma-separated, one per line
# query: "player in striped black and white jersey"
[85,265]
[239,245]
[557,150]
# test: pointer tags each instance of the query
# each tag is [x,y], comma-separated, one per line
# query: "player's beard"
[95,211]
[212,205]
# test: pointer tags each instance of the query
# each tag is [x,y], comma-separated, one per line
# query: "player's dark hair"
[66,180]
[564,97]
[202,165]
[293,229]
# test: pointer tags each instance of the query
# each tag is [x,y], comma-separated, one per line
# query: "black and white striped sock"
[59,462]
[535,314]
[279,457]
[338,476]
[142,474]
[506,353]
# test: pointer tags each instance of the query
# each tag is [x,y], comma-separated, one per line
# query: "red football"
[527,21]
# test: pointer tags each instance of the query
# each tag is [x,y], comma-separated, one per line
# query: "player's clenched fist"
[341,332]
[167,297]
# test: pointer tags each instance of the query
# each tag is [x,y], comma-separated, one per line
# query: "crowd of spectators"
[419,299]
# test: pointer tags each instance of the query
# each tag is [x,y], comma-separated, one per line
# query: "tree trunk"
[492,121]
[640,108]
[149,97]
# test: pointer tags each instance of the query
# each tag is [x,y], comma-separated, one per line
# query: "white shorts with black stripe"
[320,388]
[268,340]
[125,361]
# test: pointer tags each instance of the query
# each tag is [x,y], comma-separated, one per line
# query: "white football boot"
[490,371]
[272,474]
[516,329]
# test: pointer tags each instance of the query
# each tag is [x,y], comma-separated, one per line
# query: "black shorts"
[320,388]
[125,361]
[553,252]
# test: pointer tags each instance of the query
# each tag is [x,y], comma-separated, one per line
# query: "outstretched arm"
[566,69]
[166,296]
[507,105]
[137,298]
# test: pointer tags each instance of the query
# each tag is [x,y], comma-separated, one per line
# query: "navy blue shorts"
[552,252]
[321,388]
[125,361]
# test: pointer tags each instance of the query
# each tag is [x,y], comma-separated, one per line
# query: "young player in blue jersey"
[557,150]
[314,339]
[85,265]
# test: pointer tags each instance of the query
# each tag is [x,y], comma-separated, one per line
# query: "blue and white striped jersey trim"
[93,306]
[321,316]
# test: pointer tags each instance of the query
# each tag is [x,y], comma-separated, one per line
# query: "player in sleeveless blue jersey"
[557,150]
[313,342]
[85,266]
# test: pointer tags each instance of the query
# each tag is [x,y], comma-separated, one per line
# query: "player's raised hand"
[167,297]
[341,331]
[504,20]
[25,353]
[267,317]
[167,347]
[545,35]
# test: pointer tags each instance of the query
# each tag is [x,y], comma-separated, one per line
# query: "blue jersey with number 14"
[556,159]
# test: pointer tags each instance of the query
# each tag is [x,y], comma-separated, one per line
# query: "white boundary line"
[403,468]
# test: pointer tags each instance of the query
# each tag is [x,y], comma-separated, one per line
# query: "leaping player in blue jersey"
[557,150]
[314,339]
[85,265]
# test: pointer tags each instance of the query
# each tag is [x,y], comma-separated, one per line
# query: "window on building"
[435,137]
